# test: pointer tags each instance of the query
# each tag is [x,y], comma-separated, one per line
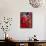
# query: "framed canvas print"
[25,19]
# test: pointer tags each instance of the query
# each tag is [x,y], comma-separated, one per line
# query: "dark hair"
[27,13]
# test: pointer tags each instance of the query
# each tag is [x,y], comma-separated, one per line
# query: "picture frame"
[25,19]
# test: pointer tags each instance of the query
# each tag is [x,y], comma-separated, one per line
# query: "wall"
[12,8]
